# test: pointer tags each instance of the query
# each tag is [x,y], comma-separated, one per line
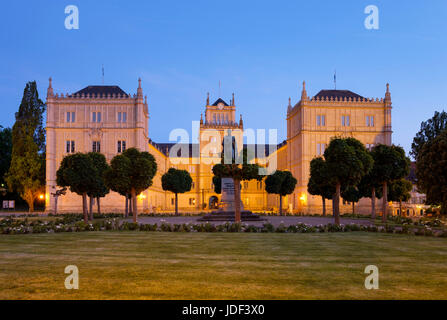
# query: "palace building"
[108,120]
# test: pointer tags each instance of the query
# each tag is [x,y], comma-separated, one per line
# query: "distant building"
[106,119]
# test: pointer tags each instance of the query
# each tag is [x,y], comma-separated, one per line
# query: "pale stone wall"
[303,136]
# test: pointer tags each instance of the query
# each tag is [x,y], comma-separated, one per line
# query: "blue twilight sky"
[260,50]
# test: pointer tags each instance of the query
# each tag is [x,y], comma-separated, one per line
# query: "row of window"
[192,201]
[96,146]
[345,120]
[96,117]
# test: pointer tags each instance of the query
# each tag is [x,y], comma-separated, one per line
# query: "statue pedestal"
[226,211]
[227,203]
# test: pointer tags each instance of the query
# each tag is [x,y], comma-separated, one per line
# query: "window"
[122,116]
[369,146]
[70,146]
[345,121]
[320,148]
[192,185]
[121,146]
[96,116]
[321,120]
[96,147]
[71,116]
[192,201]
[245,184]
[370,121]
[172,201]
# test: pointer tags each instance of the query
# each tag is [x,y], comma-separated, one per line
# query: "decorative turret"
[50,88]
[201,118]
[139,90]
[232,101]
[207,98]
[388,95]
[303,92]
[241,123]
[289,107]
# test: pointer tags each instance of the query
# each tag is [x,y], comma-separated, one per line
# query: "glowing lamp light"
[41,197]
[303,198]
[141,196]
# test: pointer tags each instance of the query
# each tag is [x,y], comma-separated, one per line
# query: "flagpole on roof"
[335,79]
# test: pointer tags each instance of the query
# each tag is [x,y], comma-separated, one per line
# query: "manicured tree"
[430,129]
[176,181]
[238,172]
[390,164]
[370,188]
[347,162]
[281,183]
[318,181]
[117,179]
[399,191]
[431,171]
[351,194]
[131,173]
[26,173]
[100,189]
[78,173]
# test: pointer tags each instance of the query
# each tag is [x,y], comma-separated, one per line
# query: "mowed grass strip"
[154,265]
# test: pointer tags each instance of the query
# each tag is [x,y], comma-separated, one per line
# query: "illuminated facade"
[106,119]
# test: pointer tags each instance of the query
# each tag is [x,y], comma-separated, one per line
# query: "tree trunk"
[55,204]
[176,204]
[373,203]
[84,207]
[353,207]
[91,208]
[333,205]
[337,203]
[134,205]
[237,201]
[385,202]
[126,211]
[280,205]
[99,205]
[324,206]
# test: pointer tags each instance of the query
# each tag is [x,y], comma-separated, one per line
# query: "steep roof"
[101,90]
[335,94]
[165,148]
[219,101]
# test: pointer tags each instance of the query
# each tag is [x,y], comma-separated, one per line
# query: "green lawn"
[143,265]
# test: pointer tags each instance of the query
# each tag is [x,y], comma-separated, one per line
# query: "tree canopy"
[131,173]
[429,130]
[390,164]
[431,171]
[26,173]
[78,173]
[100,189]
[318,183]
[281,183]
[347,162]
[176,181]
